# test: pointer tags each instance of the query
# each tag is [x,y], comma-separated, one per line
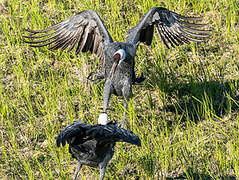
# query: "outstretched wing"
[69,134]
[172,28]
[112,133]
[86,31]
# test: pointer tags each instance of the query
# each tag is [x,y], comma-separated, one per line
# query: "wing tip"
[61,140]
[138,142]
[58,141]
[32,31]
[190,18]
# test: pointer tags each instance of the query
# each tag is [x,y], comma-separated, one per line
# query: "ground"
[185,113]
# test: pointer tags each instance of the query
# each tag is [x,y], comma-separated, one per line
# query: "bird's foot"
[95,76]
[139,80]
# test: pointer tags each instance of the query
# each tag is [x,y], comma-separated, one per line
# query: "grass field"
[185,113]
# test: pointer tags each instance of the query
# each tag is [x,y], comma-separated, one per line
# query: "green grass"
[186,112]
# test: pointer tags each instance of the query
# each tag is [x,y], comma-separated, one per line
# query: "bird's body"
[121,83]
[91,154]
[93,145]
[86,32]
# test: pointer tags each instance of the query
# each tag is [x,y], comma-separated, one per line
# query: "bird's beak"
[113,69]
[120,62]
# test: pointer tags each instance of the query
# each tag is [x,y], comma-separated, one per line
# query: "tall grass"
[186,112]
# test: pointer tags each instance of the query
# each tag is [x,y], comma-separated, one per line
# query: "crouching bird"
[86,32]
[93,145]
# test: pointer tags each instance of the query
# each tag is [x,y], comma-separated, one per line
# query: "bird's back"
[93,144]
[83,147]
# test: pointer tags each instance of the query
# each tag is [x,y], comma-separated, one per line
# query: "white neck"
[103,119]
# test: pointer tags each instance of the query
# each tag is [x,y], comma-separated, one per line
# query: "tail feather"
[79,132]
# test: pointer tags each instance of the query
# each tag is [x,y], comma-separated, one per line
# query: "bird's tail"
[128,136]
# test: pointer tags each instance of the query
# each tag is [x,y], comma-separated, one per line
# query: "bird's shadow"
[148,164]
[193,96]
[192,174]
[205,98]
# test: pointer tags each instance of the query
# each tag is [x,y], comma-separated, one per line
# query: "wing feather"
[173,28]
[96,43]
[112,133]
[78,133]
[85,29]
[160,32]
[71,132]
[174,35]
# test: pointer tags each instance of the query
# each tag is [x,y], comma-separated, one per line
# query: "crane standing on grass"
[87,32]
[93,145]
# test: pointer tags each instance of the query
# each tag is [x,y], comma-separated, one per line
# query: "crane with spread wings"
[87,32]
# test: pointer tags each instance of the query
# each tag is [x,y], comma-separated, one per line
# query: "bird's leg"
[127,92]
[124,115]
[107,93]
[77,170]
[102,172]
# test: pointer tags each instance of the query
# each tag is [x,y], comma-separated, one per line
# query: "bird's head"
[119,56]
[103,119]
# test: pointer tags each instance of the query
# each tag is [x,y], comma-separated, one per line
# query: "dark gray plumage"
[93,145]
[87,32]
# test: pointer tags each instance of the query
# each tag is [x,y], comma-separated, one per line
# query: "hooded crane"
[87,32]
[93,145]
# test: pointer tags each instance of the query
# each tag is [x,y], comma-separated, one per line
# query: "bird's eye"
[117,56]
